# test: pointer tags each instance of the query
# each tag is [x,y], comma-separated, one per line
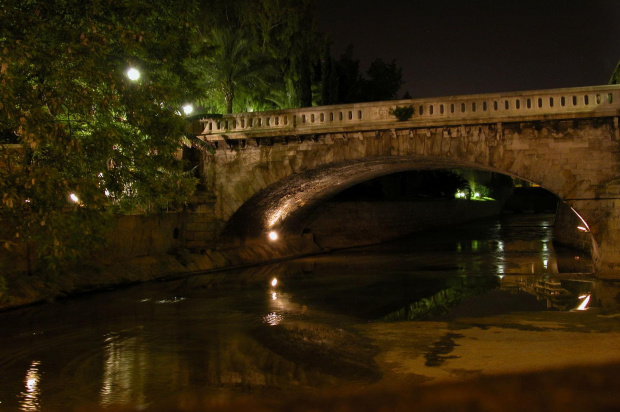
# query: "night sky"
[452,47]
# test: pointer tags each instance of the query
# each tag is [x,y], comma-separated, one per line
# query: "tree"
[233,68]
[349,78]
[328,80]
[88,141]
[384,81]
[615,76]
[286,32]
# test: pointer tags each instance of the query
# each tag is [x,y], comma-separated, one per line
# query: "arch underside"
[287,205]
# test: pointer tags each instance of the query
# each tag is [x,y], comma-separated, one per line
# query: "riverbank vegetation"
[92,97]
[88,137]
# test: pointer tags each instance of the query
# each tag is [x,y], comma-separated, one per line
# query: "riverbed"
[455,306]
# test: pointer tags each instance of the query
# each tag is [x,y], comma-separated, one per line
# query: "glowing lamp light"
[273,235]
[274,282]
[133,74]
[585,224]
[584,304]
[74,198]
[188,109]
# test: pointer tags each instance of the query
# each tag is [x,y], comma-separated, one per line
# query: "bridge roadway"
[269,170]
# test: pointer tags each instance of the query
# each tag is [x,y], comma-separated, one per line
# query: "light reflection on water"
[273,319]
[125,363]
[245,331]
[30,397]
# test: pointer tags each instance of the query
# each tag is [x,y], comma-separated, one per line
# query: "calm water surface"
[233,333]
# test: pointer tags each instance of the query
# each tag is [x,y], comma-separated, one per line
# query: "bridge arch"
[286,205]
[276,187]
[275,178]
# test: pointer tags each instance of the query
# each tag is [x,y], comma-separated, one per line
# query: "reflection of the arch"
[562,294]
[543,262]
[30,398]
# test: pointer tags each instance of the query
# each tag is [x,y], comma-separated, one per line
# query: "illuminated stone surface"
[273,176]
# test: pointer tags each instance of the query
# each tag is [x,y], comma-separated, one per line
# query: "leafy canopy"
[71,122]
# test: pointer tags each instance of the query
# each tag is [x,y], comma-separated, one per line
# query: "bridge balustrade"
[596,101]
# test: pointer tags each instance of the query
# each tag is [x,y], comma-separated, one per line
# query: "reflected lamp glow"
[133,74]
[30,398]
[272,319]
[273,235]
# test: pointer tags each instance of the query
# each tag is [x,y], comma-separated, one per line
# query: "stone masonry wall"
[265,180]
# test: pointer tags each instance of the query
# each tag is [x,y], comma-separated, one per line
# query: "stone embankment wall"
[143,248]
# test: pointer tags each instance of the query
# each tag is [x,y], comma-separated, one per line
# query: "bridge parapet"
[569,103]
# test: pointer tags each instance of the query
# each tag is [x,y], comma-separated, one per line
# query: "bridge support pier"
[603,221]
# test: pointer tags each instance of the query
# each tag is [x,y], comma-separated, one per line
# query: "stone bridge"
[267,171]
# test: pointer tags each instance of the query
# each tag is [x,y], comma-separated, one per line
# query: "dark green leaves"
[81,126]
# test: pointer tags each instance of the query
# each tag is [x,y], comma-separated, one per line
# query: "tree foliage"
[258,55]
[615,76]
[269,54]
[343,82]
[233,69]
[80,126]
[286,32]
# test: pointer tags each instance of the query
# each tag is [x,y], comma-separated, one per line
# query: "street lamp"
[133,73]
[188,109]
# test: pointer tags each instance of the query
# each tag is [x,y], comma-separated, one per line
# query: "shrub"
[402,113]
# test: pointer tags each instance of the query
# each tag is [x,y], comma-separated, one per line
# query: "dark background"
[480,46]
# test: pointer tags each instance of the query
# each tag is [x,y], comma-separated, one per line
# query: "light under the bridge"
[273,235]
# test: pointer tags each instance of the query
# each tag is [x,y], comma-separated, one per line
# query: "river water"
[353,318]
